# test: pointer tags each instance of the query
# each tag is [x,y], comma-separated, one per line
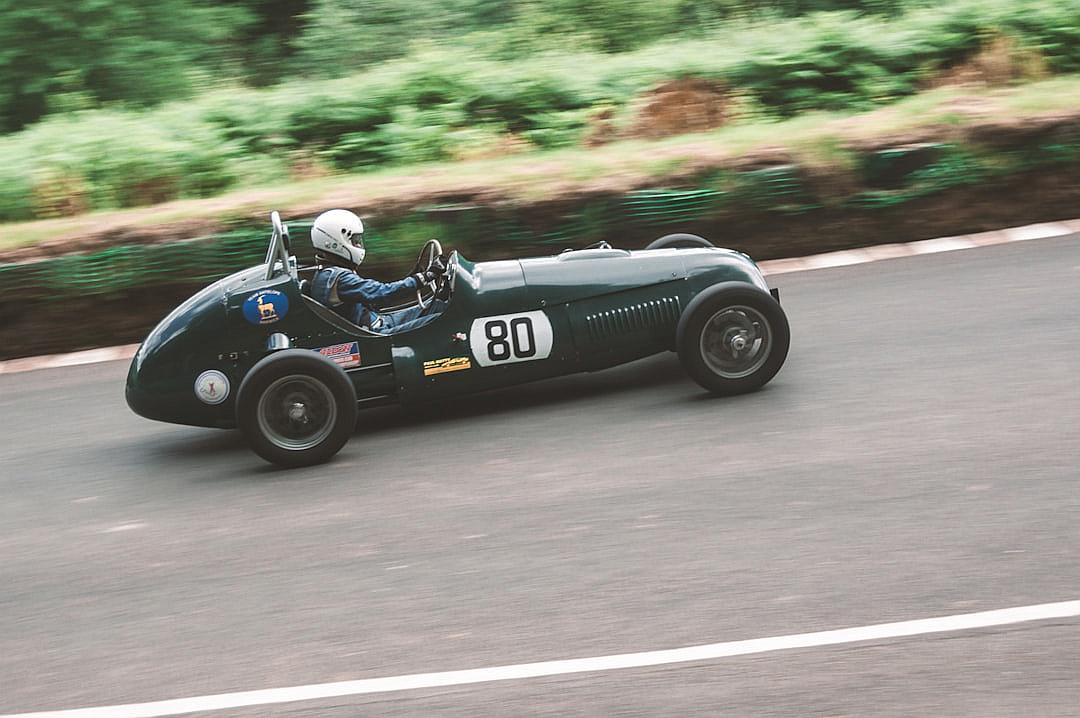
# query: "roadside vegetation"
[832,142]
[478,82]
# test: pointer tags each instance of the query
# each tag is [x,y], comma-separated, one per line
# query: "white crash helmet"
[339,234]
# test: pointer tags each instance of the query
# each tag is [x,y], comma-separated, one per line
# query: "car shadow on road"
[218,448]
[194,445]
[212,456]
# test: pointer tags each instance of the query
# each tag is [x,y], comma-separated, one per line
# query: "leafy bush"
[120,159]
[71,53]
[16,196]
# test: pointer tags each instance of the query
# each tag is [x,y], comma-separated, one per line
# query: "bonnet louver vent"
[634,318]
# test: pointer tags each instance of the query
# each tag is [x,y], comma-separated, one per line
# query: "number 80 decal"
[510,338]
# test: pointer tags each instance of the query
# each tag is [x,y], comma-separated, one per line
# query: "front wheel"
[296,408]
[733,338]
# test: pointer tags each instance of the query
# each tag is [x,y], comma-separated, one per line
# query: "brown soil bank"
[998,174]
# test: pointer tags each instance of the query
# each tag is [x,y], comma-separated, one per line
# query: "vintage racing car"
[255,351]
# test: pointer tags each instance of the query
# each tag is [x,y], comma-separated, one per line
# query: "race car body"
[254,350]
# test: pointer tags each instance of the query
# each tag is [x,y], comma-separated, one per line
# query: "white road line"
[942,244]
[712,651]
[1036,231]
[835,259]
[55,361]
[876,253]
[873,253]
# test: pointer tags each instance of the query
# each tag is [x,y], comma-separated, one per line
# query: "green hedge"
[444,103]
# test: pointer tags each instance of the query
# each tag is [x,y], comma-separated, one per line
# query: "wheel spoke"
[297,412]
[735,341]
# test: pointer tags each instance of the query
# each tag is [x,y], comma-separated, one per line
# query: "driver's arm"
[354,288]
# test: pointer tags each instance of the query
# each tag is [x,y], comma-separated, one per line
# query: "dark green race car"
[255,351]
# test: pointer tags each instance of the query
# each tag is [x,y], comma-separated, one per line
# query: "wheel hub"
[736,341]
[298,412]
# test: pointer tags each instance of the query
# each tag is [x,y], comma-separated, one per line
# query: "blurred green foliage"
[60,55]
[355,84]
[888,179]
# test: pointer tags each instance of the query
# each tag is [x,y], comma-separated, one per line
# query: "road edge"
[843,258]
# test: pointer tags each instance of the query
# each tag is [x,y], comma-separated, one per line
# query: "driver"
[338,238]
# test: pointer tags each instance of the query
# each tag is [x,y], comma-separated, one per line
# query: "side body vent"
[643,316]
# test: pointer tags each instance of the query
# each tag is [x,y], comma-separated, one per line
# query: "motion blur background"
[507,127]
[916,456]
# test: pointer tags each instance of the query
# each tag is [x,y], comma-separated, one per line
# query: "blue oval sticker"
[266,307]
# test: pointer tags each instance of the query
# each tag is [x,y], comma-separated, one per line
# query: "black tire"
[296,408]
[733,338]
[679,241]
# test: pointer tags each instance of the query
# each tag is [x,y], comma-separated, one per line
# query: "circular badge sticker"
[266,307]
[212,387]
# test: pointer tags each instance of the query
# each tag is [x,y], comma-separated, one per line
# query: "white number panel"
[510,338]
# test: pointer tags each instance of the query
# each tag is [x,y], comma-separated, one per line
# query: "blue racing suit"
[358,299]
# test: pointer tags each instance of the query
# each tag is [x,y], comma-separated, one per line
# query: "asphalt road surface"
[916,457]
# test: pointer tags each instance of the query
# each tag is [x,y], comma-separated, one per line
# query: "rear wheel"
[296,408]
[733,338]
[679,241]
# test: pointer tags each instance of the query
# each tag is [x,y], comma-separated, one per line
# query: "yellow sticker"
[442,366]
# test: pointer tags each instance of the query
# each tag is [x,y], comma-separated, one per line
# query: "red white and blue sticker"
[345,356]
[266,307]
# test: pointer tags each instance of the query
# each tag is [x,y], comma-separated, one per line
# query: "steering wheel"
[430,252]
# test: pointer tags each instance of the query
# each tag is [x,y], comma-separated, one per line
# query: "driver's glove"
[424,277]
